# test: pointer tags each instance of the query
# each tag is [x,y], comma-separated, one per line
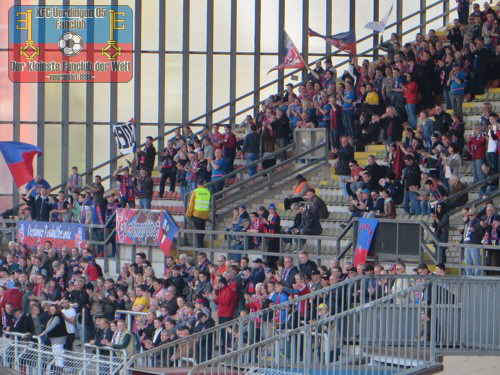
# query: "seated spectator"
[456,186]
[317,205]
[298,193]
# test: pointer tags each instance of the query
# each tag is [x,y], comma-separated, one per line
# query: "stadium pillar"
[399,16]
[89,105]
[64,125]
[256,61]
[209,88]
[328,46]
[161,73]
[305,36]
[281,40]
[232,61]
[113,116]
[376,35]
[137,68]
[423,16]
[40,116]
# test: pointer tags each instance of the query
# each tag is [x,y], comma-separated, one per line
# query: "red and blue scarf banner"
[366,230]
[19,158]
[293,59]
[343,41]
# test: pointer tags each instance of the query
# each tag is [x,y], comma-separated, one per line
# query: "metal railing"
[401,321]
[267,178]
[29,355]
[371,338]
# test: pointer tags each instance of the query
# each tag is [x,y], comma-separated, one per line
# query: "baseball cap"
[315,272]
[325,277]
[242,206]
[365,191]
[258,260]
[323,306]
[299,177]
[472,211]
[272,206]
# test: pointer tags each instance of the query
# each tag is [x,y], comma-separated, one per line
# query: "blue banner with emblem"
[366,230]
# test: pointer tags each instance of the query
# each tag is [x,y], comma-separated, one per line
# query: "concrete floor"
[471,365]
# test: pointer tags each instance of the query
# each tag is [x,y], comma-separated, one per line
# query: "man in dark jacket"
[282,131]
[344,155]
[411,183]
[456,186]
[474,236]
[145,189]
[306,265]
[146,158]
[318,206]
[288,273]
[251,146]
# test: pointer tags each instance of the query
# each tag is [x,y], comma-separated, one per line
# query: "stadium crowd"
[392,101]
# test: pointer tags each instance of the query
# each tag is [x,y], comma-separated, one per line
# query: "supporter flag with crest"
[19,158]
[293,59]
[343,41]
[167,232]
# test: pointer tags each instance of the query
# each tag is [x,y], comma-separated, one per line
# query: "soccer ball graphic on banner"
[70,44]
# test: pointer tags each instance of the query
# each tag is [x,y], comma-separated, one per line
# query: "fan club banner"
[366,230]
[70,43]
[125,137]
[34,233]
[145,228]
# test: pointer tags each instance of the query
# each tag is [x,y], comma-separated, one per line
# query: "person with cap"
[273,225]
[298,193]
[315,283]
[473,235]
[257,275]
[198,210]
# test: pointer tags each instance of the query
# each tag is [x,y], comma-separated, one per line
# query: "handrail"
[232,102]
[468,189]
[314,324]
[242,319]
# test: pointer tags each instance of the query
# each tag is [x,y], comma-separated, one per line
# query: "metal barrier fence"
[356,341]
[450,314]
[29,355]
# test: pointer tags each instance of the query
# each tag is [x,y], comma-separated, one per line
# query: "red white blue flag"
[19,158]
[343,41]
[167,232]
[293,59]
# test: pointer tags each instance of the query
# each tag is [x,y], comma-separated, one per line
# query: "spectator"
[218,169]
[145,158]
[473,235]
[317,205]
[456,186]
[145,189]
[299,192]
[411,182]
[251,146]
[168,167]
[75,181]
[477,148]
[306,265]
[37,182]
[228,146]
[344,155]
[127,186]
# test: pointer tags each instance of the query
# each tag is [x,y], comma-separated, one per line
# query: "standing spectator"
[198,209]
[37,182]
[441,225]
[56,331]
[273,224]
[456,82]
[225,299]
[306,265]
[228,146]
[282,131]
[75,182]
[463,12]
[411,183]
[493,147]
[216,137]
[267,145]
[218,169]
[473,235]
[168,167]
[410,92]
[392,125]
[477,149]
[97,191]
[127,186]
[478,58]
[68,313]
[146,157]
[287,276]
[251,146]
[145,187]
[344,155]
[348,97]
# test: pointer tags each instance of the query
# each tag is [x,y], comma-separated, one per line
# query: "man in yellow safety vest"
[198,209]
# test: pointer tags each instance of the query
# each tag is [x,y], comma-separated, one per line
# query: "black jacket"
[251,144]
[308,267]
[281,128]
[411,176]
[344,156]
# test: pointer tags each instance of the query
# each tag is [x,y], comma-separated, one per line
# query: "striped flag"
[343,41]
[293,59]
